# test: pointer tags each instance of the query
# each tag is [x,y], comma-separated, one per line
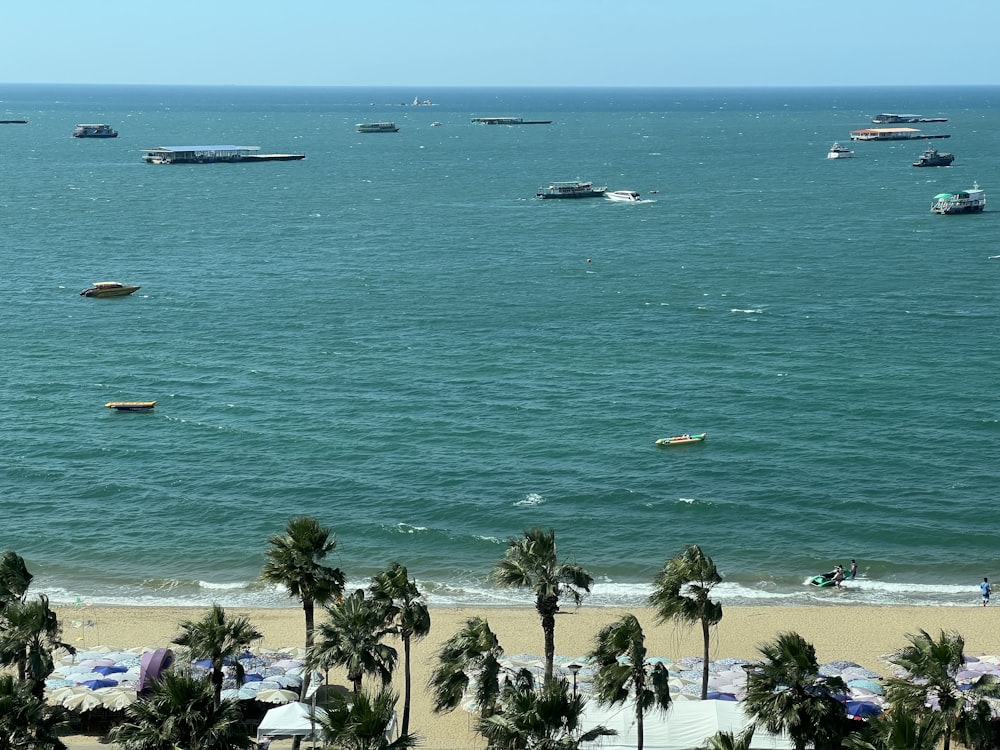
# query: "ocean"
[395,336]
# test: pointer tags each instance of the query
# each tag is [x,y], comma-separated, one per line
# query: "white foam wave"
[532,498]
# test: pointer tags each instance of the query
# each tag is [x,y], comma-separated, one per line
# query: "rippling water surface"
[395,336]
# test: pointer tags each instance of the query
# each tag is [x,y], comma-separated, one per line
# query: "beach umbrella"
[97,684]
[285,664]
[717,696]
[57,696]
[869,685]
[118,700]
[276,696]
[110,669]
[861,710]
[84,701]
[102,662]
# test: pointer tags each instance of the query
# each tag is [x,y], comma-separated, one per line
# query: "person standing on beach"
[854,569]
[984,587]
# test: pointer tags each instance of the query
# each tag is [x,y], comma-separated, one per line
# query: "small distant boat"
[971,201]
[108,289]
[625,196]
[435,124]
[934,158]
[839,152]
[684,439]
[130,405]
[575,189]
[377,127]
[891,118]
[97,130]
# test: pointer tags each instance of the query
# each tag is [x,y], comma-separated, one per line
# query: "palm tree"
[620,665]
[682,591]
[933,665]
[543,719]
[26,722]
[897,730]
[405,604]
[730,741]
[361,721]
[182,712]
[786,693]
[14,578]
[29,633]
[352,638]
[220,639]
[472,653]
[531,562]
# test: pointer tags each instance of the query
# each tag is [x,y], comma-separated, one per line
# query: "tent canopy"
[685,726]
[290,720]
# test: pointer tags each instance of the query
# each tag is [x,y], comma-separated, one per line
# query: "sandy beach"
[860,634]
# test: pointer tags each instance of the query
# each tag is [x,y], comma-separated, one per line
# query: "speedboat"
[839,152]
[684,439]
[130,405]
[625,196]
[108,289]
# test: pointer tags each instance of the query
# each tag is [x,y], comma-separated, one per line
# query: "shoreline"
[863,634]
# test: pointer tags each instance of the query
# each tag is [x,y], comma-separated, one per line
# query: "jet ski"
[824,579]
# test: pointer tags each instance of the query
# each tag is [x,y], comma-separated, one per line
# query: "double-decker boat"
[96,130]
[574,189]
[839,152]
[971,201]
[377,127]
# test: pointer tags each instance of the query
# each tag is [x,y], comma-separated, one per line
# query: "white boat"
[839,152]
[109,289]
[377,127]
[971,201]
[94,130]
[574,189]
[624,196]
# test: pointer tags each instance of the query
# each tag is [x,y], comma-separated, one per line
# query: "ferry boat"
[97,130]
[890,118]
[972,201]
[211,155]
[109,289]
[934,158]
[624,196]
[507,121]
[839,152]
[892,134]
[571,190]
[377,127]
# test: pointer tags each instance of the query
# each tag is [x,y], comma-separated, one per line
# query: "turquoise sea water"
[395,336]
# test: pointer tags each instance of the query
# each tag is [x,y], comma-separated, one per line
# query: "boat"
[211,155]
[839,152]
[625,196]
[130,405]
[575,189]
[824,579]
[892,134]
[98,130]
[684,439]
[377,127]
[934,158]
[971,201]
[108,289]
[890,118]
[507,121]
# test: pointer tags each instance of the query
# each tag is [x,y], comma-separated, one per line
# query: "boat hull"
[130,405]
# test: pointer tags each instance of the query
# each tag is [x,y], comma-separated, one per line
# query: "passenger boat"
[98,130]
[108,289]
[507,121]
[211,155]
[891,118]
[571,190]
[377,127]
[684,439]
[130,405]
[625,196]
[971,201]
[839,152]
[934,158]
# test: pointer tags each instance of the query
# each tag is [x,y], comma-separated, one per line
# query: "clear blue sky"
[501,43]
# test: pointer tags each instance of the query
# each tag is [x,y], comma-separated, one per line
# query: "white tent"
[685,726]
[290,720]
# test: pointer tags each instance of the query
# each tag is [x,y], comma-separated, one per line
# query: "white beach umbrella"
[276,695]
[57,696]
[84,701]
[118,699]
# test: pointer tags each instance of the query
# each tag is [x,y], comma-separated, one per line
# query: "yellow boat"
[130,405]
[682,439]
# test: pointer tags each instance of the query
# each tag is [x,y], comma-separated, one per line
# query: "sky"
[437,43]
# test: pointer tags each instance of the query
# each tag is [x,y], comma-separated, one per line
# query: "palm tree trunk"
[406,687]
[704,665]
[547,608]
[639,731]
[308,608]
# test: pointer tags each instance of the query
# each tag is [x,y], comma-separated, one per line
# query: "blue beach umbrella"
[97,684]
[715,696]
[861,710]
